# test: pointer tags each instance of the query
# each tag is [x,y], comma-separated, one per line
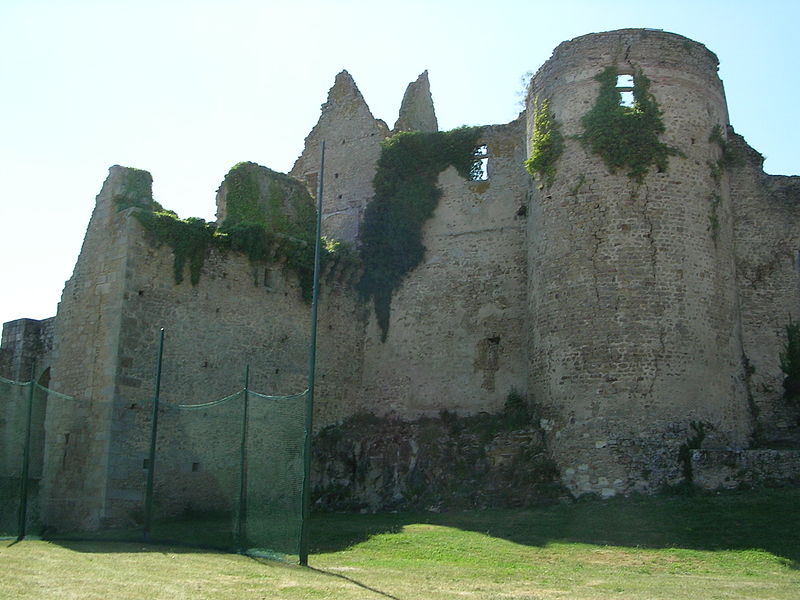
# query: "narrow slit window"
[625,89]
[480,167]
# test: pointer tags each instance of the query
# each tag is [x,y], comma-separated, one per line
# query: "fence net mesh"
[227,473]
[14,399]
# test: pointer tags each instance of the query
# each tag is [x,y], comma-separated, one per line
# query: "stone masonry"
[630,314]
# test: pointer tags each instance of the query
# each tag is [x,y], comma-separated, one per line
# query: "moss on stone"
[270,218]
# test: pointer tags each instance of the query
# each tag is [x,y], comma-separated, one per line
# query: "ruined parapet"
[353,137]
[632,297]
[767,233]
[25,343]
[254,195]
[416,111]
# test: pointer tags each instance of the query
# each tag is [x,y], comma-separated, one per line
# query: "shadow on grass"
[355,582]
[214,532]
[177,536]
[766,519]
[107,546]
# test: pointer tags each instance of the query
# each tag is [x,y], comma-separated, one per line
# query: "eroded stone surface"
[352,139]
[416,111]
[633,315]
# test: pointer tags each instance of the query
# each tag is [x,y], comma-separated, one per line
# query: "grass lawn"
[733,545]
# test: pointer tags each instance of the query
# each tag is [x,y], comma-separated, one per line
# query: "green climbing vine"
[729,158]
[547,143]
[137,190]
[242,195]
[189,239]
[626,137]
[273,226]
[405,197]
[256,195]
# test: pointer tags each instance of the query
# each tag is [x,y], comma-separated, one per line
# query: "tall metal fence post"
[22,523]
[312,369]
[240,532]
[148,495]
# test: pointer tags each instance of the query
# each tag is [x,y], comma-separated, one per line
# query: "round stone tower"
[635,346]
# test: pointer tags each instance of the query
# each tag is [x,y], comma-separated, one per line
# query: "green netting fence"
[226,473]
[16,487]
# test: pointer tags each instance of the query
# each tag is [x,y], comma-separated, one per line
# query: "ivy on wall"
[626,137]
[405,197]
[729,156]
[276,225]
[189,239]
[256,195]
[547,143]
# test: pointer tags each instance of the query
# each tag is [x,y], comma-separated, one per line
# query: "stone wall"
[433,463]
[721,469]
[25,342]
[767,232]
[632,298]
[25,354]
[456,337]
[631,313]
[352,137]
[86,353]
[238,314]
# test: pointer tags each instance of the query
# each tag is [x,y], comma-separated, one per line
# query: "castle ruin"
[641,310]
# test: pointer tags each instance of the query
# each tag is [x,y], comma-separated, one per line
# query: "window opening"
[625,89]
[480,168]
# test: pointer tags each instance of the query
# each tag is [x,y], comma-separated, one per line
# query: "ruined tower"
[634,337]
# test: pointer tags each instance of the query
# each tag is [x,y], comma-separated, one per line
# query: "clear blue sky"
[186,89]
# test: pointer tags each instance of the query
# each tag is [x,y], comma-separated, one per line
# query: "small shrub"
[685,450]
[790,362]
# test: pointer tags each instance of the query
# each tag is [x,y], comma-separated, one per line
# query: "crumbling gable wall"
[86,345]
[353,137]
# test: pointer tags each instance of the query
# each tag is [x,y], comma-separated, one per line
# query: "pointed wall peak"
[344,92]
[416,111]
[353,144]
